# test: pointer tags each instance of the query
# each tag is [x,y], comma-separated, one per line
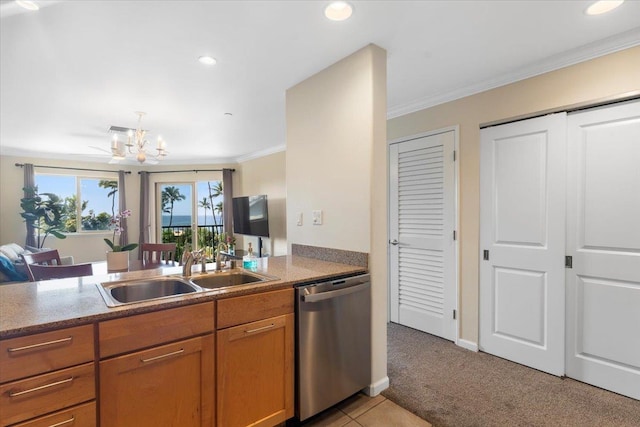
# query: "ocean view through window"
[190,215]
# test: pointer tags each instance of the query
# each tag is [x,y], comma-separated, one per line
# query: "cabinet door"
[169,385]
[255,373]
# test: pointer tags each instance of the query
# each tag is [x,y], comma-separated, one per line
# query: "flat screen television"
[251,216]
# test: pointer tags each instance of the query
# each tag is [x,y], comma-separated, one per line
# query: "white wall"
[266,175]
[336,162]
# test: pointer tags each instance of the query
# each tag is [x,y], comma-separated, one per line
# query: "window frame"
[78,193]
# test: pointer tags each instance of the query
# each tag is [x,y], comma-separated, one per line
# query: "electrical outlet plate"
[317,217]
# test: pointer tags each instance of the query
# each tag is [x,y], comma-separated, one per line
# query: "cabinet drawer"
[34,354]
[145,330]
[249,308]
[79,416]
[28,398]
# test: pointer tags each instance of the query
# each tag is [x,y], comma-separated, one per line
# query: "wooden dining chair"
[45,272]
[157,252]
[51,257]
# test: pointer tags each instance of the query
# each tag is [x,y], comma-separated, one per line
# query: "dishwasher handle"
[334,294]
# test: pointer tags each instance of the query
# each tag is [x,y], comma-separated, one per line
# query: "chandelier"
[136,144]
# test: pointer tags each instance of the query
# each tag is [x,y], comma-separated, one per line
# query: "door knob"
[393,242]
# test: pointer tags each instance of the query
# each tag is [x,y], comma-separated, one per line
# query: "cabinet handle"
[42,344]
[173,353]
[250,331]
[61,423]
[42,387]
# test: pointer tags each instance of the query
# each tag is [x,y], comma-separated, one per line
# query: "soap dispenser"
[249,261]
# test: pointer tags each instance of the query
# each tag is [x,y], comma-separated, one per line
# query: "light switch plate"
[317,217]
[299,219]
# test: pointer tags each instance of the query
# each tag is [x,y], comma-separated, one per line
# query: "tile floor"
[365,411]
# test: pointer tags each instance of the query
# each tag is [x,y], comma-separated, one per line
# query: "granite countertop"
[27,308]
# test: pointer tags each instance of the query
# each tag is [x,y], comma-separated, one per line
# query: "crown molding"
[262,153]
[583,53]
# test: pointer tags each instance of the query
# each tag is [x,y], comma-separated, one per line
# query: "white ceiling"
[74,68]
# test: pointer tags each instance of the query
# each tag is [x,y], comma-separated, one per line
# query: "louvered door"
[421,225]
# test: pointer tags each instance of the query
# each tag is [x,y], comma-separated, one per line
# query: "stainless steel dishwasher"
[333,353]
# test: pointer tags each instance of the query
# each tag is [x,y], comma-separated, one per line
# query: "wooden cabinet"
[255,360]
[169,385]
[165,368]
[163,373]
[47,372]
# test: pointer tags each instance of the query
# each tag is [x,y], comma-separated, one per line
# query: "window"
[178,221]
[86,203]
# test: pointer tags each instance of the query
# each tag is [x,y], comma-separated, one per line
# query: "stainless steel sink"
[225,278]
[141,290]
[132,291]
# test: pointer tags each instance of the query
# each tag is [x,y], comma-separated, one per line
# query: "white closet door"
[522,232]
[421,224]
[603,237]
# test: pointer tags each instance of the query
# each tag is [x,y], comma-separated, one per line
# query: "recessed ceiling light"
[603,6]
[207,60]
[338,11]
[26,4]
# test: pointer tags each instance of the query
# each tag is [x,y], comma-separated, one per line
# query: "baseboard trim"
[377,387]
[469,345]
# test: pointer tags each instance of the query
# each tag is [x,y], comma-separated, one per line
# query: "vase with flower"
[230,242]
[118,256]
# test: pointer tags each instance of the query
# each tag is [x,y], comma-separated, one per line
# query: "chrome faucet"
[189,259]
[219,255]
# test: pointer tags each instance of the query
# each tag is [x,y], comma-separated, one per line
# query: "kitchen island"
[27,308]
[220,357]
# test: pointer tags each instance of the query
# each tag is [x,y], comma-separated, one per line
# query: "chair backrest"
[42,258]
[51,257]
[156,252]
[45,272]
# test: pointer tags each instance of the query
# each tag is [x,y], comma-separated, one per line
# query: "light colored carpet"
[453,387]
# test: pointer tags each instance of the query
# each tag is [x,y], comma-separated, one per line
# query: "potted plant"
[118,256]
[44,213]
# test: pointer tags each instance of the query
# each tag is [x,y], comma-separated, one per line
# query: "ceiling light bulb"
[207,60]
[603,6]
[27,4]
[338,11]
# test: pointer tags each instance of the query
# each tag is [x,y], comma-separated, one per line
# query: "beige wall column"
[336,162]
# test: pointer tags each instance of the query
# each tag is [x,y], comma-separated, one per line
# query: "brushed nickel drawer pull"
[173,353]
[42,344]
[250,331]
[42,387]
[61,423]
